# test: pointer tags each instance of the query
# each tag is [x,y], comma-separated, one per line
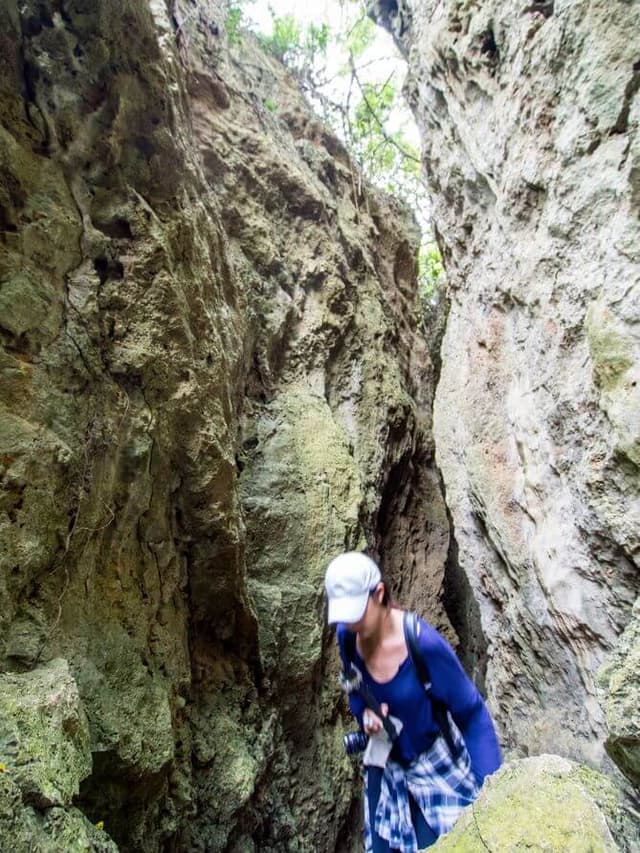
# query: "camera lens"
[355,742]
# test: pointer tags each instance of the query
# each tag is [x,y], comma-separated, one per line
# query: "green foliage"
[431,274]
[317,40]
[360,37]
[234,23]
[235,20]
[373,150]
[284,41]
[384,155]
[301,49]
[375,105]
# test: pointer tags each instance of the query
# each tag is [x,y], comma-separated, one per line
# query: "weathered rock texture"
[529,115]
[546,804]
[620,680]
[26,829]
[44,734]
[212,382]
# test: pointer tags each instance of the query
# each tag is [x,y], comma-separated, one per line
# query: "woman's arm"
[452,686]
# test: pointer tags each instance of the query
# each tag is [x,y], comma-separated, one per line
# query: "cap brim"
[347,609]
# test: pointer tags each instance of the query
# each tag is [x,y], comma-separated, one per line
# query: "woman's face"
[370,619]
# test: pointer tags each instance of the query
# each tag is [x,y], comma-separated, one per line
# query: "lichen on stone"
[545,803]
[44,734]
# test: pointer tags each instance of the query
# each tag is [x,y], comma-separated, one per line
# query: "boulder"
[58,830]
[546,803]
[44,734]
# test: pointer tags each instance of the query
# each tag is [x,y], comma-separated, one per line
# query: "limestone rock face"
[620,680]
[544,803]
[44,735]
[529,116]
[45,755]
[335,418]
[212,380]
[25,829]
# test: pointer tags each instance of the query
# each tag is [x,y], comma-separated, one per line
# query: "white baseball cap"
[348,581]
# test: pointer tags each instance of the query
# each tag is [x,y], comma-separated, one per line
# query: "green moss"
[234,766]
[301,493]
[129,707]
[611,351]
[540,804]
[55,830]
[44,734]
[619,683]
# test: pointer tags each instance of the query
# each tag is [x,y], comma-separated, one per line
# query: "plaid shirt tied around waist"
[440,785]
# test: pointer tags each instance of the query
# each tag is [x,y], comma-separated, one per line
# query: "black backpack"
[411,630]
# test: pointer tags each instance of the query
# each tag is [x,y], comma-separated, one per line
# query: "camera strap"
[352,682]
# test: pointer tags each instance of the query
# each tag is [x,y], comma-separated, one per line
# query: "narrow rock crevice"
[216,376]
[461,607]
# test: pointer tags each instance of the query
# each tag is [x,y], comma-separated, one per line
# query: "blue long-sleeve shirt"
[408,701]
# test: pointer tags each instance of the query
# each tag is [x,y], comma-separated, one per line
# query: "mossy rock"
[619,680]
[616,371]
[612,351]
[24,829]
[546,804]
[44,734]
[301,492]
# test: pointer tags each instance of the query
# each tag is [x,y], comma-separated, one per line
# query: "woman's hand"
[372,722]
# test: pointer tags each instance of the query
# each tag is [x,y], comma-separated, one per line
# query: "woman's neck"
[383,630]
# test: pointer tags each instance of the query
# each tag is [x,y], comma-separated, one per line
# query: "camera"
[350,680]
[355,742]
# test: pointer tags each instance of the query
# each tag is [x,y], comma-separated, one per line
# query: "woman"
[427,779]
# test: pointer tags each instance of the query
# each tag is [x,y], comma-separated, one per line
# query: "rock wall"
[619,680]
[335,422]
[529,117]
[212,381]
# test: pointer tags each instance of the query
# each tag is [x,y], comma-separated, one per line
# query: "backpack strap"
[440,713]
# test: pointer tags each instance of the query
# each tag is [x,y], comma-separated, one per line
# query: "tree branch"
[376,117]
